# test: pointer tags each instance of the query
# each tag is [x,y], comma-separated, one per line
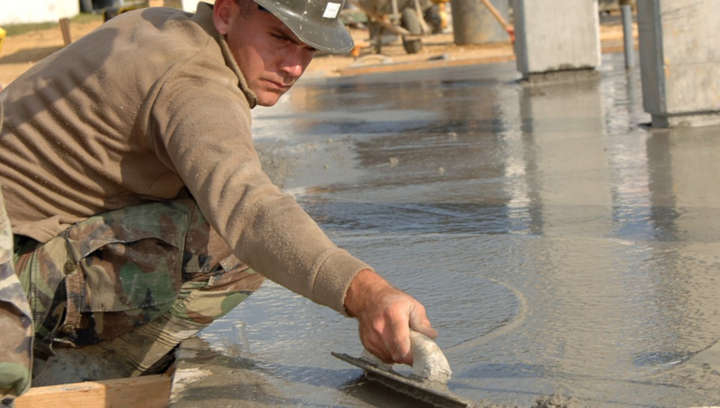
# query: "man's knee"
[203,301]
[204,251]
[215,280]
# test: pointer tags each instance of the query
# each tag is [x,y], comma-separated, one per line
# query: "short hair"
[246,6]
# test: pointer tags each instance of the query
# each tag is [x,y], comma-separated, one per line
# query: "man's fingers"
[374,343]
[426,330]
[420,322]
[424,327]
[397,338]
[380,353]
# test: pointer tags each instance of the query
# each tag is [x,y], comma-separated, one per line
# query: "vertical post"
[86,6]
[678,61]
[628,41]
[65,29]
[555,36]
[395,18]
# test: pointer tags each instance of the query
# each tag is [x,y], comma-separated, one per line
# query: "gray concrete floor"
[560,245]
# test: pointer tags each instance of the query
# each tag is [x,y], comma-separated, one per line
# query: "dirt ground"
[20,52]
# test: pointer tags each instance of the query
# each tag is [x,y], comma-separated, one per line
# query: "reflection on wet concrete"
[559,244]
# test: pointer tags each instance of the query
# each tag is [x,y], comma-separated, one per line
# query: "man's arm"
[385,316]
[205,133]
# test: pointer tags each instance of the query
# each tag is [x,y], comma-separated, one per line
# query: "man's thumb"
[420,323]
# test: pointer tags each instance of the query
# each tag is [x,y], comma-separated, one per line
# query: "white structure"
[37,11]
[556,35]
[679,61]
[191,5]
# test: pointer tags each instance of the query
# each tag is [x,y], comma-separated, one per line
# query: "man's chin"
[268,98]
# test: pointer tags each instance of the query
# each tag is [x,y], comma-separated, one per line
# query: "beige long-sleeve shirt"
[149,103]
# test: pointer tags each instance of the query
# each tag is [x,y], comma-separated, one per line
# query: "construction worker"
[139,209]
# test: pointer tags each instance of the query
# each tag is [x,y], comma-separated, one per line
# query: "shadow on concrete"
[28,55]
[378,395]
[241,381]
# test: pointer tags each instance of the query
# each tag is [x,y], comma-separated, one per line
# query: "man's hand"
[385,316]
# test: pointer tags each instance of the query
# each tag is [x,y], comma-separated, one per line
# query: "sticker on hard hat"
[331,10]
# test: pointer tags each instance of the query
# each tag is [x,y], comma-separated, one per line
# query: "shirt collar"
[204,17]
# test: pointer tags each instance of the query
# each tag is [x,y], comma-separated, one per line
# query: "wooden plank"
[150,391]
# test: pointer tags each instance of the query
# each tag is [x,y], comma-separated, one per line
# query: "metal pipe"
[628,41]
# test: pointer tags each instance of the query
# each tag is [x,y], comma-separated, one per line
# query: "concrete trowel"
[428,381]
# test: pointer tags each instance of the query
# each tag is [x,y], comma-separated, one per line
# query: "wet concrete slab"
[560,245]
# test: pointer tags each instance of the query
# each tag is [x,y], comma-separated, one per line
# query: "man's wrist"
[361,290]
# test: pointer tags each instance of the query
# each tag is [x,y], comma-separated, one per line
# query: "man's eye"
[281,37]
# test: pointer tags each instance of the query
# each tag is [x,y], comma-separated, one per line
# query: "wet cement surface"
[560,246]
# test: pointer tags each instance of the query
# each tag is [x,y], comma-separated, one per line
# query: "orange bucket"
[2,37]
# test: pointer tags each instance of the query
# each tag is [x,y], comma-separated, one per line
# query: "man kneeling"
[139,209]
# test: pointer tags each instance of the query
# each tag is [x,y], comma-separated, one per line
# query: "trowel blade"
[433,393]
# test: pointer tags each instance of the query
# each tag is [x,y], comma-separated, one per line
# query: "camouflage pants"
[135,281]
[15,320]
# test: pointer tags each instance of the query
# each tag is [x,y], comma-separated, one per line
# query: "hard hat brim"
[329,36]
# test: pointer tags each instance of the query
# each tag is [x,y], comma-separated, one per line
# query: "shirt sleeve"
[202,128]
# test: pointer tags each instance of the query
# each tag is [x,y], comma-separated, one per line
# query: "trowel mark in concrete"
[517,321]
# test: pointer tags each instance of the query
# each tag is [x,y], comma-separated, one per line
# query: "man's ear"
[222,15]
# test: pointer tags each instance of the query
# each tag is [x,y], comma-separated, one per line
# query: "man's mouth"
[280,86]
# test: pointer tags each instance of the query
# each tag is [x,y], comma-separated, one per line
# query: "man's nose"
[293,70]
[296,61]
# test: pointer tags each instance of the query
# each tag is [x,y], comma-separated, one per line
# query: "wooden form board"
[151,391]
[65,30]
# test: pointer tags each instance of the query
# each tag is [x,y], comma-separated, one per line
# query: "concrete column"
[473,23]
[679,61]
[558,35]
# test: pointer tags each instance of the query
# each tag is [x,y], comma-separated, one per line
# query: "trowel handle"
[429,362]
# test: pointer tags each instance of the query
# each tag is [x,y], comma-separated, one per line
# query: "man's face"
[269,55]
